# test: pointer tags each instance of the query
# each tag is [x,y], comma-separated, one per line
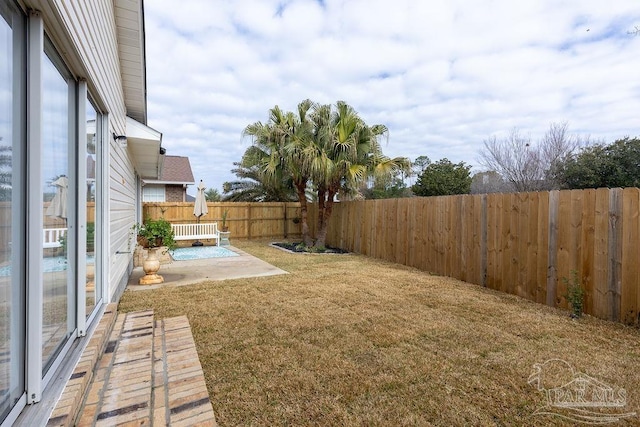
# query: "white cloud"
[442,75]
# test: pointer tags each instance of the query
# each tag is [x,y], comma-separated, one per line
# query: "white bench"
[51,237]
[201,231]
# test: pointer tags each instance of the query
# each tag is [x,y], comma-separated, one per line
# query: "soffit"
[131,51]
[144,144]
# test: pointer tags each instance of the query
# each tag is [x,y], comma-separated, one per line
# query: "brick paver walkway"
[148,374]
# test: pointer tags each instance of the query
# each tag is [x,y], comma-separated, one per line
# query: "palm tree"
[256,185]
[279,149]
[300,142]
[332,151]
[348,154]
[212,195]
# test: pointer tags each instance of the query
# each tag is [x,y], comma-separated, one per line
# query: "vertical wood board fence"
[527,244]
[245,220]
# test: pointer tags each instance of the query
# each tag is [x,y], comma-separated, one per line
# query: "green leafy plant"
[153,233]
[575,294]
[91,236]
[91,229]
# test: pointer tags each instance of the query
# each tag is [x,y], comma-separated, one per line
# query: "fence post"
[615,253]
[285,230]
[249,205]
[552,258]
[483,240]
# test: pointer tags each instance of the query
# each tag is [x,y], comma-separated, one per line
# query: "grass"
[349,340]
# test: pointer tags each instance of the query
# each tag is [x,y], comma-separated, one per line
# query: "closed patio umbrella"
[199,209]
[58,205]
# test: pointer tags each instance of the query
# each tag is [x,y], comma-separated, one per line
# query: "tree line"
[558,161]
[515,163]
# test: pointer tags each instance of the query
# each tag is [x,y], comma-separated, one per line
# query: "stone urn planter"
[152,234]
[91,273]
[151,265]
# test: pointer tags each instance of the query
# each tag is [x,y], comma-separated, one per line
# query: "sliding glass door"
[92,281]
[50,199]
[12,141]
[58,310]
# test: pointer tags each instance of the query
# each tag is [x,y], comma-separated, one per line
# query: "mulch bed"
[298,247]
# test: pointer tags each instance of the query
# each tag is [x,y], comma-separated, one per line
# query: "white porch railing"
[51,237]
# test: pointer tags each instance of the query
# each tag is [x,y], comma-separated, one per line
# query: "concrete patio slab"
[181,273]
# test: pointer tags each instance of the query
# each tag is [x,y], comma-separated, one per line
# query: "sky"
[442,75]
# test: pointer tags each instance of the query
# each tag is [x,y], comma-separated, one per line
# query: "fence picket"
[588,247]
[615,252]
[630,292]
[543,225]
[600,262]
[531,265]
[552,245]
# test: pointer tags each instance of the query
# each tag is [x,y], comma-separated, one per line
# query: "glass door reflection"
[12,141]
[91,284]
[57,322]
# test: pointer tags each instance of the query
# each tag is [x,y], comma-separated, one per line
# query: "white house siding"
[122,210]
[84,33]
[90,28]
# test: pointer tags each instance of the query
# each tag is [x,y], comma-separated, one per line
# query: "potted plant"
[225,227]
[224,233]
[153,234]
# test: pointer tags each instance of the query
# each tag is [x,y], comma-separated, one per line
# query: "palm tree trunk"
[323,218]
[302,198]
[321,208]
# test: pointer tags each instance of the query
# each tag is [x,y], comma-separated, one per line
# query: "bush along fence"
[275,220]
[526,244]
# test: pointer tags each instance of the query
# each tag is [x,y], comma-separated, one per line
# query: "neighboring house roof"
[176,170]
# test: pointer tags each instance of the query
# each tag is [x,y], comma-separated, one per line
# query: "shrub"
[155,232]
[575,294]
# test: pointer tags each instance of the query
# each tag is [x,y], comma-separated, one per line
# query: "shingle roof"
[177,169]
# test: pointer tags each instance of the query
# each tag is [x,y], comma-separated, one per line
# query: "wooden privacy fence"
[49,222]
[245,220]
[525,244]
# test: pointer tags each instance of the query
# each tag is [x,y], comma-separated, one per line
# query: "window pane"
[153,193]
[12,306]
[55,167]
[90,198]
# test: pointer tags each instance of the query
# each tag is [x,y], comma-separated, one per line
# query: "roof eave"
[155,181]
[145,146]
[130,29]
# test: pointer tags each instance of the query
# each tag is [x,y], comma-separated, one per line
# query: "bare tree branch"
[528,166]
[514,159]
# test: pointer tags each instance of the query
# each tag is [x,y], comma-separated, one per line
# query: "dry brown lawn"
[350,340]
